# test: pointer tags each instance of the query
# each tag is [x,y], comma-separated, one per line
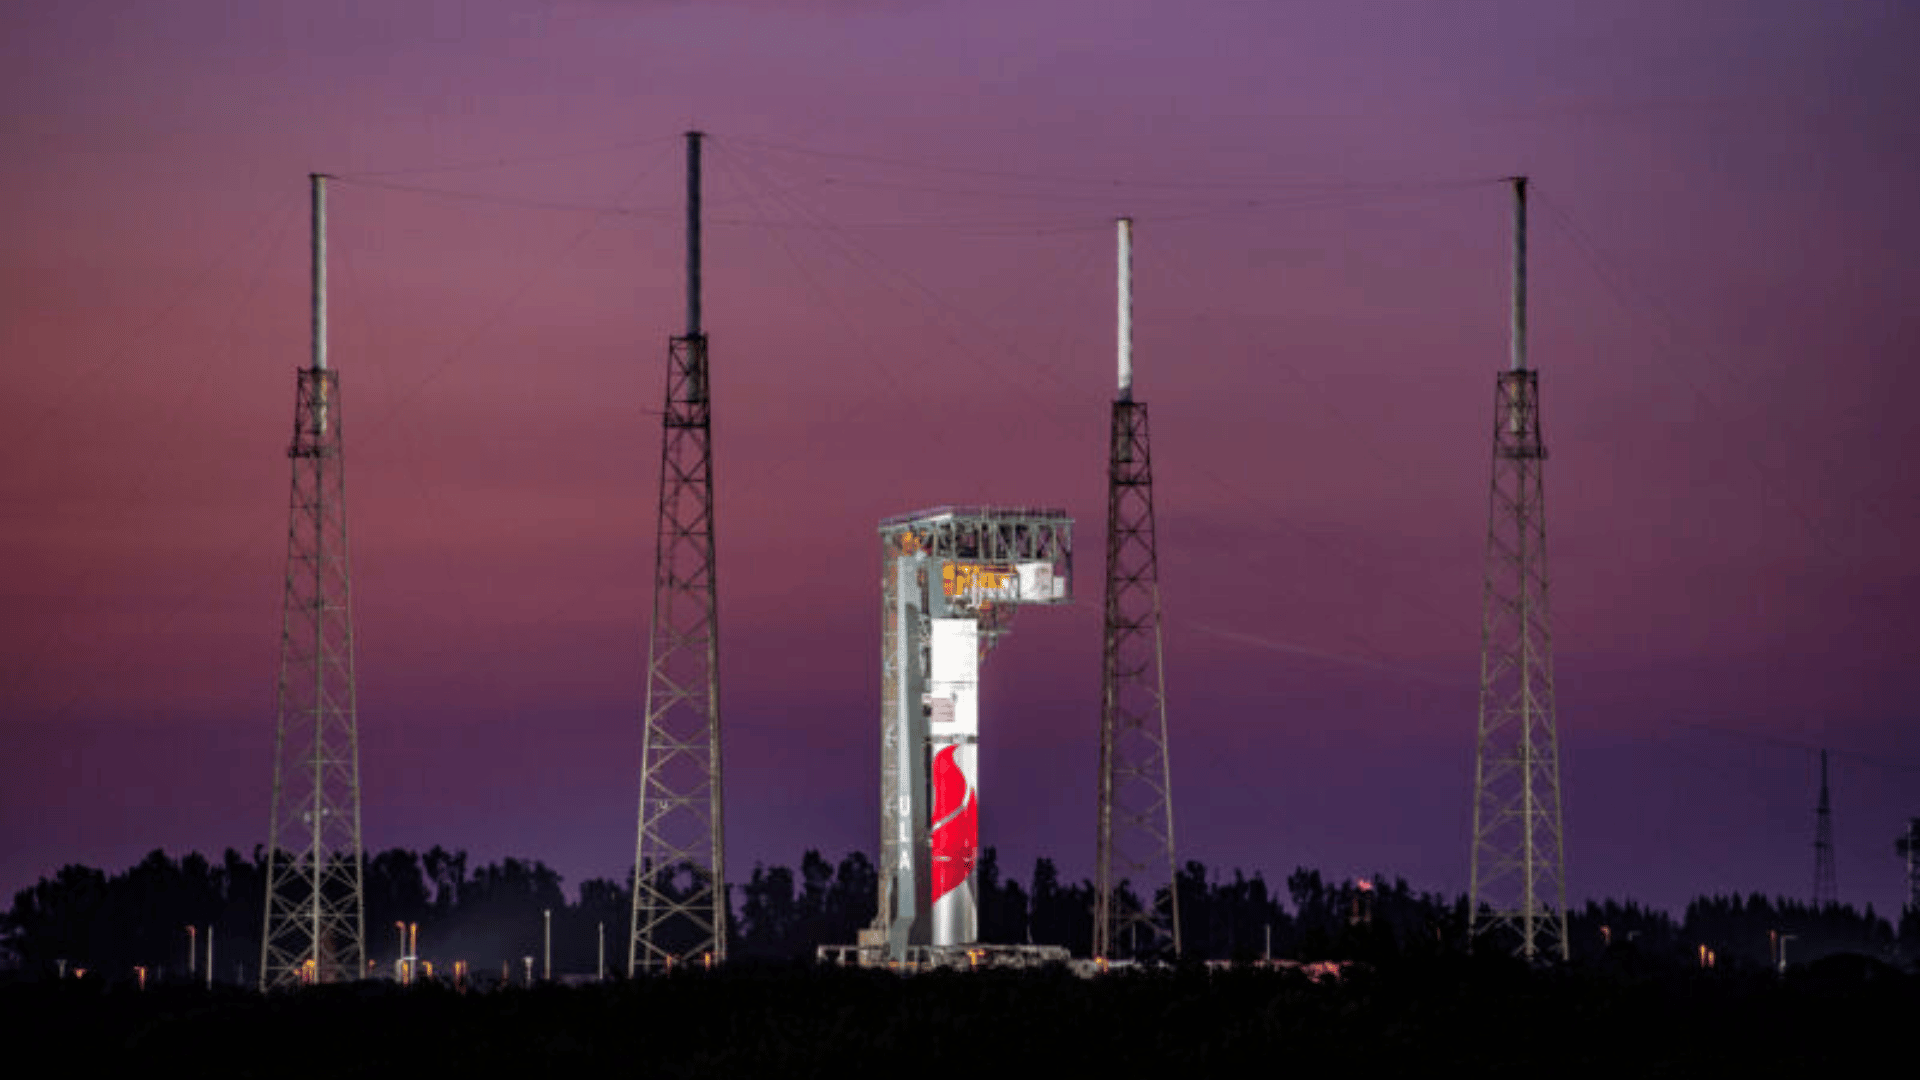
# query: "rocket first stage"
[951,580]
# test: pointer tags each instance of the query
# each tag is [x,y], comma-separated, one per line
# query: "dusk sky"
[909,275]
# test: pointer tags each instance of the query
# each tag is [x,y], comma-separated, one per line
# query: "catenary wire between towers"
[1325,196]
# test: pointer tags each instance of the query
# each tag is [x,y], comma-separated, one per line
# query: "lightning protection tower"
[1825,889]
[1517,890]
[1136,899]
[1908,846]
[679,896]
[315,912]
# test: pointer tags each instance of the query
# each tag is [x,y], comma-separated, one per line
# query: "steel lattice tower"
[1825,889]
[1517,892]
[1908,847]
[315,912]
[1136,895]
[680,831]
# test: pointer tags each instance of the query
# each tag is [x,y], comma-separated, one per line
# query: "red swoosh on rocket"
[956,832]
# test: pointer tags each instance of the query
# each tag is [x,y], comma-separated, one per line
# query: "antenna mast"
[1136,898]
[1908,847]
[679,865]
[1517,893]
[315,910]
[1825,888]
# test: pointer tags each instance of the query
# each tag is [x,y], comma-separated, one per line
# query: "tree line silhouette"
[493,916]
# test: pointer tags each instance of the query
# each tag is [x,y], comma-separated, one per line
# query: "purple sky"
[910,300]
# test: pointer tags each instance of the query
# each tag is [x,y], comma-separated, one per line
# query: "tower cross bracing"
[1908,848]
[679,893]
[315,928]
[1136,895]
[1517,892]
[1826,889]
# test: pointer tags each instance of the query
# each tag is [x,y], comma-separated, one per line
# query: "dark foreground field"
[797,1022]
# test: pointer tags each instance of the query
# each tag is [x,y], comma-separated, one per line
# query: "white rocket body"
[953,694]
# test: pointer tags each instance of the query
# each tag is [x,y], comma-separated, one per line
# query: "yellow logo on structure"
[972,579]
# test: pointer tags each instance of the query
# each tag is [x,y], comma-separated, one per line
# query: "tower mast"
[1826,889]
[1908,847]
[315,910]
[679,892]
[1136,895]
[1517,891]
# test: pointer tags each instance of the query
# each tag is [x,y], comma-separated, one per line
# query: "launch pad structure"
[951,581]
